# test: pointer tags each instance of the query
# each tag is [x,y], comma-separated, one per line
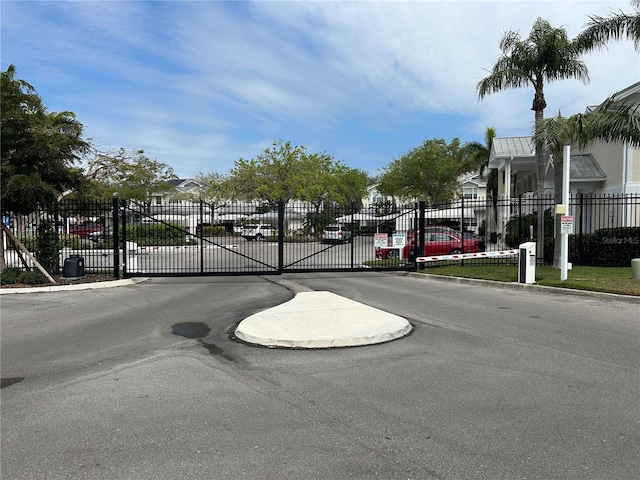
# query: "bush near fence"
[610,247]
[158,234]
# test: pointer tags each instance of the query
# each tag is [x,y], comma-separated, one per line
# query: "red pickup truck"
[84,229]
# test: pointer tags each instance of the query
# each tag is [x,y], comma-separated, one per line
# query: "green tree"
[600,30]
[546,55]
[316,178]
[214,187]
[429,172]
[351,186]
[285,172]
[271,177]
[479,155]
[39,150]
[129,174]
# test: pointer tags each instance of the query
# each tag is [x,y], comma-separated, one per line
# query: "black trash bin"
[73,267]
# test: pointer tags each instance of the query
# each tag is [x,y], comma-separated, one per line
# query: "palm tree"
[478,155]
[612,123]
[546,55]
[600,30]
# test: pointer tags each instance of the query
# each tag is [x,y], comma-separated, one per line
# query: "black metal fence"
[196,238]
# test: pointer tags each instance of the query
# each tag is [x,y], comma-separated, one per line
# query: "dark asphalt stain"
[6,382]
[200,330]
[190,330]
[217,351]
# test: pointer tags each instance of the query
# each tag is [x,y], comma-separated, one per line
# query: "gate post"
[280,236]
[115,206]
[353,209]
[462,230]
[421,226]
[124,238]
[200,240]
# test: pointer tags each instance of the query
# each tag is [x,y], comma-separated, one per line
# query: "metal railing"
[123,238]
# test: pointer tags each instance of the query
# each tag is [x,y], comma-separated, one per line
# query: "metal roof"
[506,147]
[584,168]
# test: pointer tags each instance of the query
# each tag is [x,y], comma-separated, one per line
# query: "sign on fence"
[380,240]
[566,224]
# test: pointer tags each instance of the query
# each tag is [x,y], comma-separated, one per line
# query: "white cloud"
[203,83]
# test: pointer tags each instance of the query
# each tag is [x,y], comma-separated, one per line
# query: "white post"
[564,240]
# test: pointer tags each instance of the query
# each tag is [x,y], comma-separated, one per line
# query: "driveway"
[492,384]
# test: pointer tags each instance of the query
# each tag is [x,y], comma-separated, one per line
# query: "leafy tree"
[479,154]
[600,30]
[285,172]
[317,181]
[545,56]
[351,186]
[129,174]
[39,150]
[429,172]
[271,177]
[214,187]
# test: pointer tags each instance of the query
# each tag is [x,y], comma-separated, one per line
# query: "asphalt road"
[492,384]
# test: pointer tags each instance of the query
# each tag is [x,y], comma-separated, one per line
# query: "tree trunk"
[540,164]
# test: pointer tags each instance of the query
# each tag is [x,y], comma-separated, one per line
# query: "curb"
[79,286]
[529,287]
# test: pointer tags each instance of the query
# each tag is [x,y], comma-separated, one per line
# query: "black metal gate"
[247,239]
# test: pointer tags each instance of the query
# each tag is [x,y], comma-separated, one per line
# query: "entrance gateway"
[209,240]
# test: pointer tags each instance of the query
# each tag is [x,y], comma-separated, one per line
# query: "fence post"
[115,210]
[353,209]
[580,246]
[280,236]
[462,229]
[124,237]
[519,219]
[421,226]
[200,240]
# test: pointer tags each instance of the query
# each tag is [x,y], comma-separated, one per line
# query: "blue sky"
[199,84]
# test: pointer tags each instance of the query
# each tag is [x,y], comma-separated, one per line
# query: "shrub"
[611,247]
[522,225]
[32,278]
[29,242]
[9,275]
[47,247]
[158,234]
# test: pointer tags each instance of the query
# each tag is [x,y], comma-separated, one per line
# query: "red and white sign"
[566,224]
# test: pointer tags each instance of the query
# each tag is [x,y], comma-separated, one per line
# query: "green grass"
[599,279]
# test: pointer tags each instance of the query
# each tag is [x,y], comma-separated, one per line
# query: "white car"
[336,233]
[258,232]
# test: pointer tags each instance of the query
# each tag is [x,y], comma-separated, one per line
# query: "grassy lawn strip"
[599,279]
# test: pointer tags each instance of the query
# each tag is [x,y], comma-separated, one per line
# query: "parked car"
[257,232]
[336,233]
[84,229]
[444,229]
[435,243]
[100,236]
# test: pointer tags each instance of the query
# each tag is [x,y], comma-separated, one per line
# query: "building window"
[158,200]
[470,192]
